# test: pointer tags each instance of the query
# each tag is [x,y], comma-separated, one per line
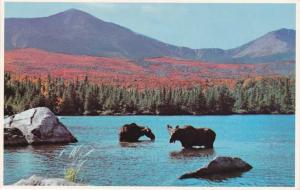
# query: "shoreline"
[112,115]
[166,115]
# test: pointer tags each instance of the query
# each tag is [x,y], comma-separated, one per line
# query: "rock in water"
[220,166]
[40,181]
[35,126]
[13,136]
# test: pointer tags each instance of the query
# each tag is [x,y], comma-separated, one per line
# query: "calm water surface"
[267,142]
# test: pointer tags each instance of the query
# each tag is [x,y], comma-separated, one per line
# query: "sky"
[191,25]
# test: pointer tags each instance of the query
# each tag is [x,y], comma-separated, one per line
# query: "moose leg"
[186,146]
[209,145]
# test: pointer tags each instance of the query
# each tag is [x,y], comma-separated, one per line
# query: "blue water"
[267,142]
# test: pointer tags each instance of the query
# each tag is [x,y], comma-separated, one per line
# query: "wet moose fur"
[132,132]
[190,136]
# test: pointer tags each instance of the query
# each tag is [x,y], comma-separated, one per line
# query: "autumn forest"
[82,97]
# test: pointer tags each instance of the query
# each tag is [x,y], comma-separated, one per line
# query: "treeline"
[266,95]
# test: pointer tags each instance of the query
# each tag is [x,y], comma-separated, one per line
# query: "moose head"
[173,133]
[147,131]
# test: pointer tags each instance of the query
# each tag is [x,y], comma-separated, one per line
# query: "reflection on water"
[140,143]
[192,152]
[42,151]
[253,138]
[37,149]
[223,177]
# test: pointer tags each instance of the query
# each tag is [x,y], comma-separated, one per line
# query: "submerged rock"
[41,181]
[220,167]
[35,126]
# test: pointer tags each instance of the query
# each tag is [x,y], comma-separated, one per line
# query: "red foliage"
[156,72]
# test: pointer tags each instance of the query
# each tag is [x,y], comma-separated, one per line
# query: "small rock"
[41,181]
[222,167]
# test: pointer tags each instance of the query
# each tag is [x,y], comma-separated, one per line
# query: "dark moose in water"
[132,132]
[190,136]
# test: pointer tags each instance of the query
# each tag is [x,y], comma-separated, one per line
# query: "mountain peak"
[284,30]
[280,42]
[73,13]
[285,34]
[74,31]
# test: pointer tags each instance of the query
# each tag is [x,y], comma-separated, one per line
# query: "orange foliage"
[158,72]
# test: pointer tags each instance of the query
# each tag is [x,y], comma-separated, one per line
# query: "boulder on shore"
[35,126]
[220,167]
[41,181]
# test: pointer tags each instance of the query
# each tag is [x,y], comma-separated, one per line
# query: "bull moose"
[132,132]
[190,136]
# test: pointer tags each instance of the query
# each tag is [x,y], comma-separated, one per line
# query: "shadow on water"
[140,143]
[44,150]
[192,152]
[222,177]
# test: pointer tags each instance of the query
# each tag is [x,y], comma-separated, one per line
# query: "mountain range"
[74,44]
[79,33]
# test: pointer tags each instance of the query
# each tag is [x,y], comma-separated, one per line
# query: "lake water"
[267,142]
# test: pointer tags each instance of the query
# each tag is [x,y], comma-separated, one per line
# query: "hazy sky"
[191,25]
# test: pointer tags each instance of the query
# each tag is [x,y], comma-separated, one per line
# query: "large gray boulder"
[35,126]
[220,167]
[41,181]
